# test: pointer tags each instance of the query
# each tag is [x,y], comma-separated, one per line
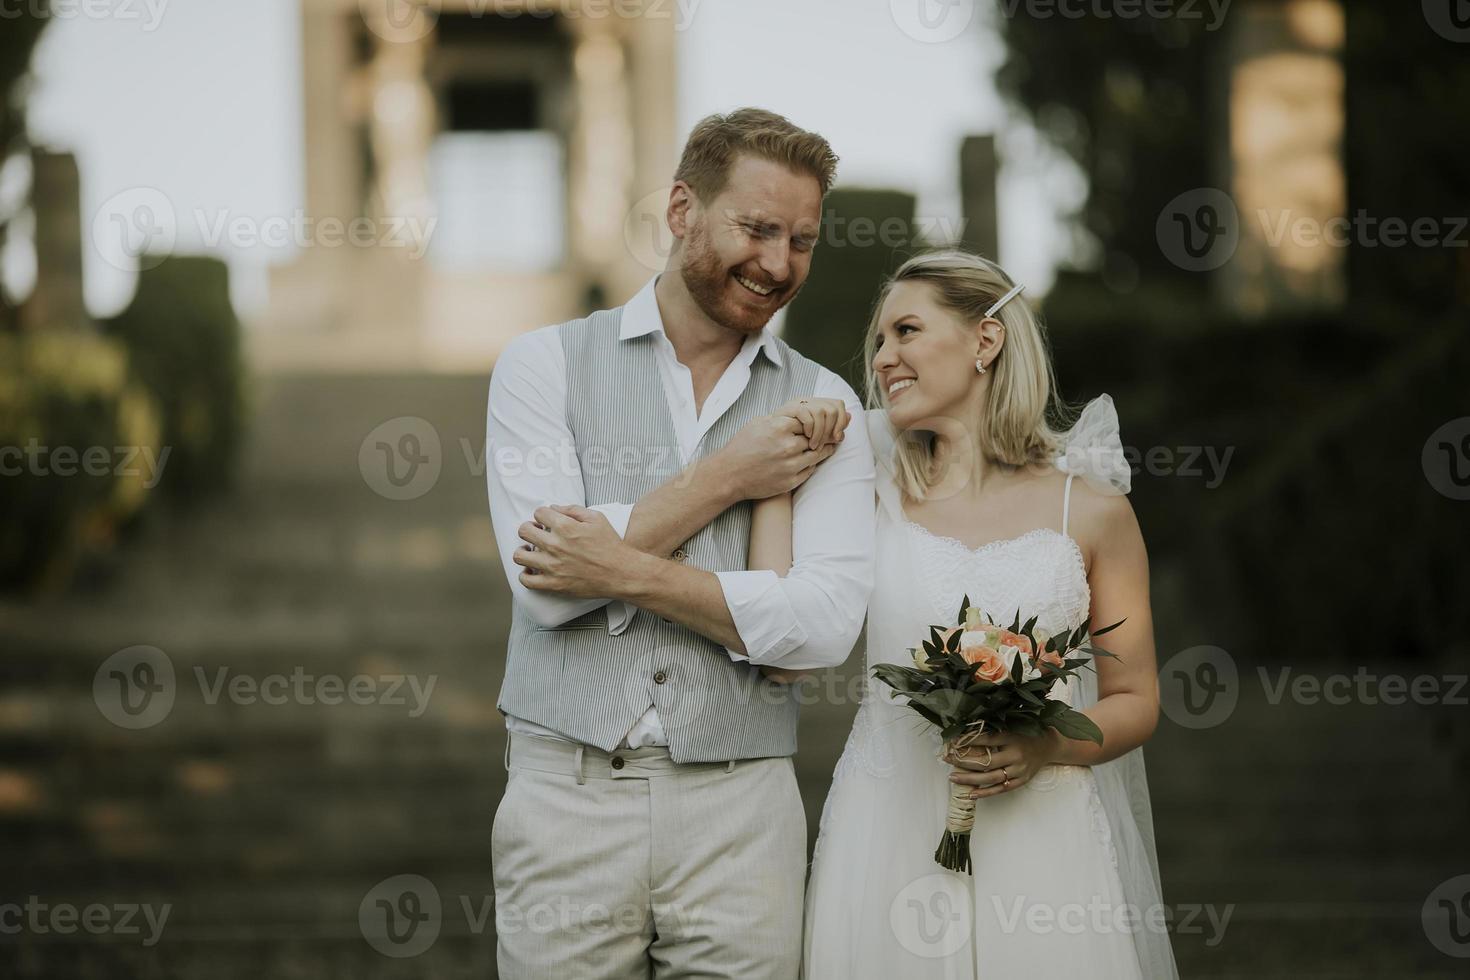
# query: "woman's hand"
[999,762]
[823,420]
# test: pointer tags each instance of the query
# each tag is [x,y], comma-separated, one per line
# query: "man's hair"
[717,140]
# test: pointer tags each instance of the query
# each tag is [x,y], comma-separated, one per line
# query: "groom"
[651,823]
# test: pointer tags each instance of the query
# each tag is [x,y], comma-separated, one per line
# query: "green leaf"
[1030,624]
[927,715]
[907,680]
[1108,629]
[964,604]
[948,703]
[952,645]
[1075,725]
[1016,623]
[1098,651]
[1025,725]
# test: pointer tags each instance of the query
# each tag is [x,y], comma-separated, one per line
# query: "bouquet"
[975,677]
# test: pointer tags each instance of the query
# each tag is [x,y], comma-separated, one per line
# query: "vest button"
[660,677]
[617,762]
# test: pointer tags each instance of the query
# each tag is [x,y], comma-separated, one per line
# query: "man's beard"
[707,281]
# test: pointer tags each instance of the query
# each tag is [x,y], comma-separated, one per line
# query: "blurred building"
[1286,87]
[491,155]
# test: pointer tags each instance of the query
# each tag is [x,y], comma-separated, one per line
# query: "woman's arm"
[1127,708]
[770,547]
[823,420]
[770,534]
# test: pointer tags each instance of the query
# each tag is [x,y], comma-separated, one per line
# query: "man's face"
[747,252]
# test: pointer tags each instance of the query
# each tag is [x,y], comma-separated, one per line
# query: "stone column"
[979,170]
[56,303]
[601,155]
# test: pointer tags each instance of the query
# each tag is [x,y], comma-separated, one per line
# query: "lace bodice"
[922,578]
[1039,573]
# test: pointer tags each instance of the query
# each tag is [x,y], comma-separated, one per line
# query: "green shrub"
[866,234]
[183,339]
[1324,505]
[63,393]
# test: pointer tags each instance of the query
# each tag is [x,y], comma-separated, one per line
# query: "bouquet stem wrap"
[954,846]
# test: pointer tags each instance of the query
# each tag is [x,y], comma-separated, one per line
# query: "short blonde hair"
[717,140]
[1015,427]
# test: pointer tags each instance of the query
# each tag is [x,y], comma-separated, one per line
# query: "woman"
[978,495]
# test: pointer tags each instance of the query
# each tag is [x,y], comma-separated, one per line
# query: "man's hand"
[776,453]
[571,551]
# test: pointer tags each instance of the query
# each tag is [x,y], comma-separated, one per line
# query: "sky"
[198,101]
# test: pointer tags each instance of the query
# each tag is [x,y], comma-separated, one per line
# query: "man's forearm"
[689,596]
[674,512]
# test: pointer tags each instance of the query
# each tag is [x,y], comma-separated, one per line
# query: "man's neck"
[698,341]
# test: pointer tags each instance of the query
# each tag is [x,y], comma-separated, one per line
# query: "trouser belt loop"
[731,766]
[507,751]
[581,778]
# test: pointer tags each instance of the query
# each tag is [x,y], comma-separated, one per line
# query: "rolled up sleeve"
[532,462]
[811,618]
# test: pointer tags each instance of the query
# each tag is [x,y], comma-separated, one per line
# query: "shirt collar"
[641,317]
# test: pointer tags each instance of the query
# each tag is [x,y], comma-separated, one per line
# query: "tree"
[21,28]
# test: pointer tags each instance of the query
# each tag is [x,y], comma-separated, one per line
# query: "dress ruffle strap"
[1094,449]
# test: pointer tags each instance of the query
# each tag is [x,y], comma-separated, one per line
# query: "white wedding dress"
[1065,883]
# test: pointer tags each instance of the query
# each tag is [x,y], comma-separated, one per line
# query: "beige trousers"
[627,864]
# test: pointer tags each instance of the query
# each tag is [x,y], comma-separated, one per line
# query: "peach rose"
[1016,640]
[988,663]
[1051,658]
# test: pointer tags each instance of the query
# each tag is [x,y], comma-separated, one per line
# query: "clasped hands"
[575,551]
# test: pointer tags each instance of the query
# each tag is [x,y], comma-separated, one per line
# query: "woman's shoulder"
[1099,521]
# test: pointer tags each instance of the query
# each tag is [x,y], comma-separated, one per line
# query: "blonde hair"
[1015,426]
[717,140]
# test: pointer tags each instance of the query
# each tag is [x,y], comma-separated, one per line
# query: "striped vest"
[591,686]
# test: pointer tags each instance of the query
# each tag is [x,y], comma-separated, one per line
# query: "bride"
[978,495]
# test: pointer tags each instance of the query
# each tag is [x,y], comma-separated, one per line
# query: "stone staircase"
[264,827]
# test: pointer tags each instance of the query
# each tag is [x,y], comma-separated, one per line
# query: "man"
[651,823]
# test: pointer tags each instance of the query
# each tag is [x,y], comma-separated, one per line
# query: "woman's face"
[925,362]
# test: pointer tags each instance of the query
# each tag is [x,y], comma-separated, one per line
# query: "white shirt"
[808,619]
